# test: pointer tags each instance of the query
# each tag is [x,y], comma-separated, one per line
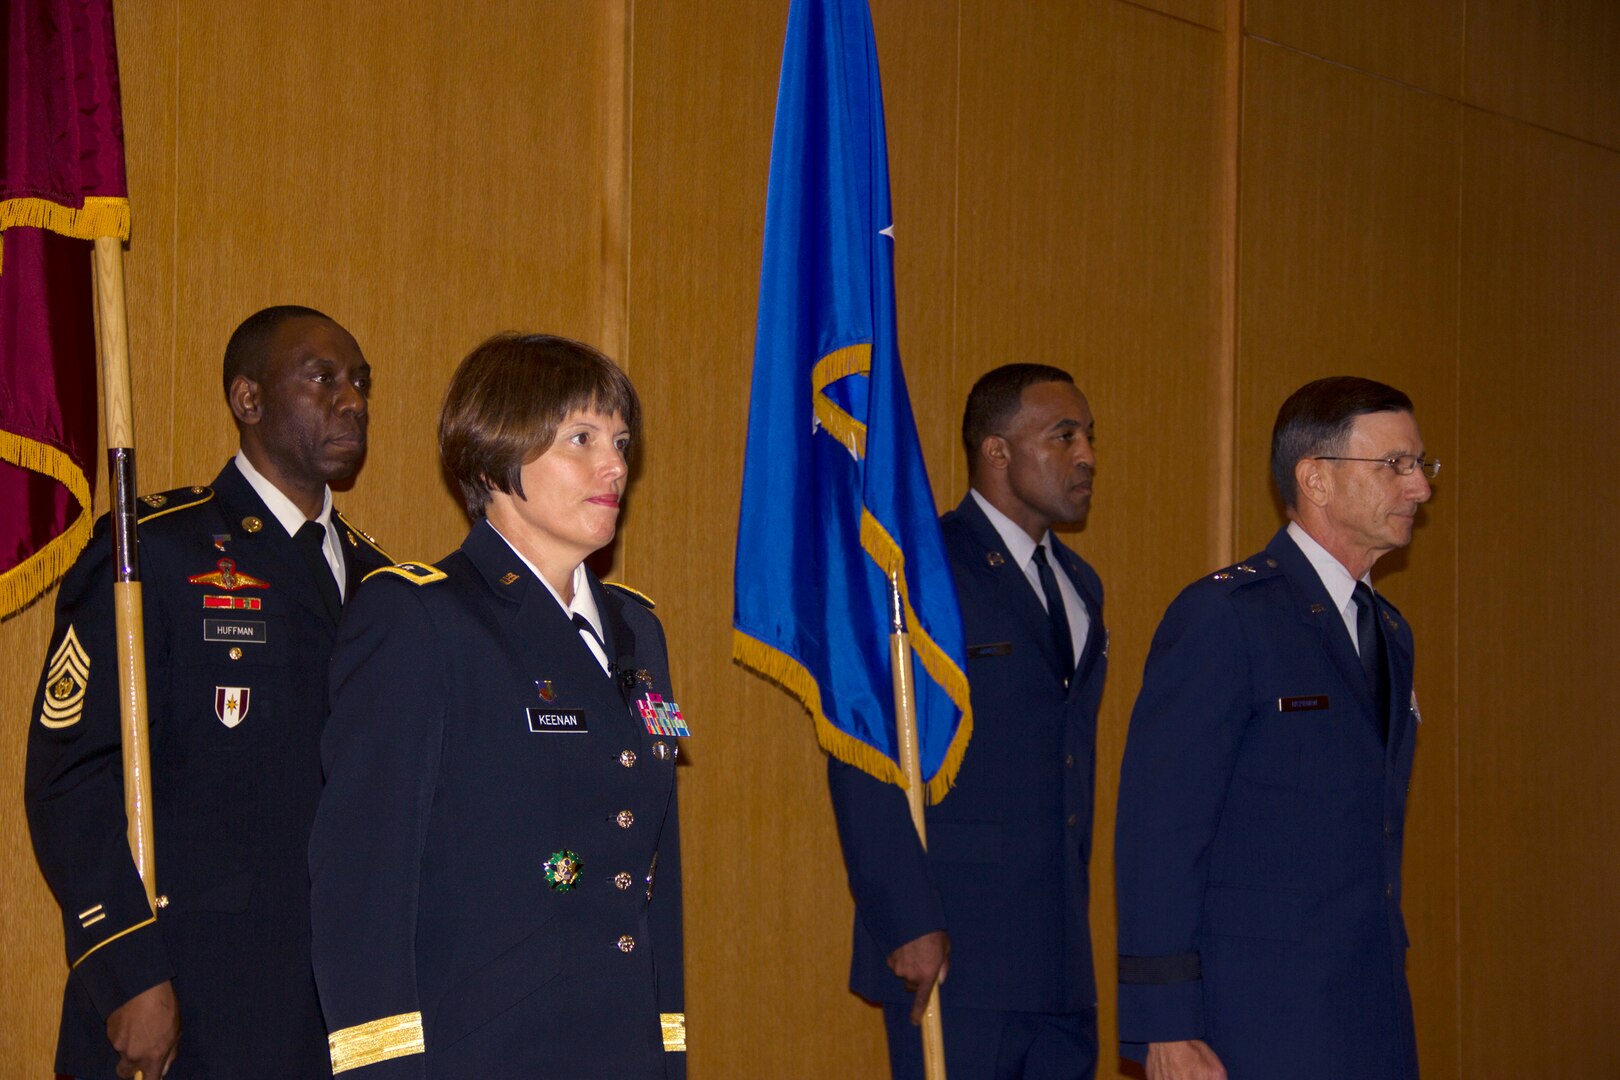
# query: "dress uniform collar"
[292,519]
[583,605]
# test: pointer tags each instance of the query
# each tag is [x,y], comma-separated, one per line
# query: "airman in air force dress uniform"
[239,626]
[1003,887]
[496,861]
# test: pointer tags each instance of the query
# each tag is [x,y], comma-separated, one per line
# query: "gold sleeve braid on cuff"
[674,1025]
[111,939]
[377,1040]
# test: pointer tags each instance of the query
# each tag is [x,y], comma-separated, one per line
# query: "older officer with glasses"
[1263,794]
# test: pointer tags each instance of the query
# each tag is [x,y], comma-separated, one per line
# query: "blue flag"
[835,492]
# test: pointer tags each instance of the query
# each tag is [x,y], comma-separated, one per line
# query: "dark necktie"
[583,625]
[311,541]
[1370,642]
[1056,614]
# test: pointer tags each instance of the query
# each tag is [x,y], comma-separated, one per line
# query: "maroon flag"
[61,184]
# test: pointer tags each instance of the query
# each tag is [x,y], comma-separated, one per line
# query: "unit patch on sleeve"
[66,678]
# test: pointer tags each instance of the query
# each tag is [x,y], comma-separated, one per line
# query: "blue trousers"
[988,1044]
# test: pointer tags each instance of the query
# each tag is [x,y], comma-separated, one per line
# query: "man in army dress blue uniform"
[243,583]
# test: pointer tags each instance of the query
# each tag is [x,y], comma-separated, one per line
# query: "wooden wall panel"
[1086,245]
[1212,14]
[426,179]
[1349,252]
[1412,41]
[31,963]
[1539,604]
[1555,63]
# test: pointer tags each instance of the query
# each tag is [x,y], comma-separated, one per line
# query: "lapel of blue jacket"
[1011,583]
[268,553]
[1096,634]
[538,632]
[619,644]
[1402,666]
[358,560]
[1315,607]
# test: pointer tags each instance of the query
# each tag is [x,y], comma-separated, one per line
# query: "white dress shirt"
[584,602]
[292,519]
[1341,587]
[1022,551]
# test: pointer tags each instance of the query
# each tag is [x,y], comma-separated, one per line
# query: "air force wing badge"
[231,704]
[66,678]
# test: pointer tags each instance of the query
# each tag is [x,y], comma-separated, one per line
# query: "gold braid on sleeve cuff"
[378,1040]
[674,1025]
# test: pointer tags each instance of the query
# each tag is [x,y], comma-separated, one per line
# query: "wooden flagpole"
[905,726]
[113,324]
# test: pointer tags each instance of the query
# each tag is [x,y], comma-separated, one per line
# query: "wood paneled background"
[1194,205]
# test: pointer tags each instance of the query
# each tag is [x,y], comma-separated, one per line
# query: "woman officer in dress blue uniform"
[496,859]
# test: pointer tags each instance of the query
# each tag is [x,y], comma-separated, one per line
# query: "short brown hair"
[506,401]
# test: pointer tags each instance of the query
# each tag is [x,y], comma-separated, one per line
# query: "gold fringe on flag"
[99,216]
[20,585]
[794,677]
[850,360]
[935,660]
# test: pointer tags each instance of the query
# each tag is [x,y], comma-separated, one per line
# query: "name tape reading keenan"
[557,721]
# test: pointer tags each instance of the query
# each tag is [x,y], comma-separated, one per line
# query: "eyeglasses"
[1403,464]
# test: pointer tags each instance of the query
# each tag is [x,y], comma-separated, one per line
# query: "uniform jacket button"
[623,880]
[1074,819]
[627,758]
[625,819]
[1068,762]
[626,943]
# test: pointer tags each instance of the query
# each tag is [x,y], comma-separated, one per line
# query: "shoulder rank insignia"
[639,597]
[228,578]
[155,506]
[351,531]
[66,678]
[417,573]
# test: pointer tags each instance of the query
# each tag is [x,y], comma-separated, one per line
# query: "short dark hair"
[1317,418]
[246,352]
[506,401]
[995,398]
